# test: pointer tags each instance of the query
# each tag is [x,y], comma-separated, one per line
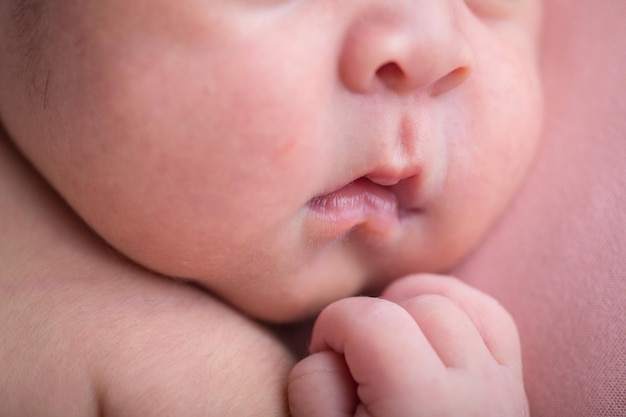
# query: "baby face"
[283,153]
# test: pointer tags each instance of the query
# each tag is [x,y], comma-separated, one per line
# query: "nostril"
[391,74]
[450,81]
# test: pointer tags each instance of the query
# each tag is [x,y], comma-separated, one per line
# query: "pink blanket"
[558,258]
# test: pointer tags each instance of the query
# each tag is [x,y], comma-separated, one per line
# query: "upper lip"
[397,164]
[388,177]
[403,183]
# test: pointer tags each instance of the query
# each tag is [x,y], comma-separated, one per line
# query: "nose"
[405,45]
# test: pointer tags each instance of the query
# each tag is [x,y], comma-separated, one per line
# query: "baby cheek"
[279,152]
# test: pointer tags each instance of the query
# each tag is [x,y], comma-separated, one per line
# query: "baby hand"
[431,346]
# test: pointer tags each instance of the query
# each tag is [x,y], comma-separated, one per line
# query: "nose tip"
[407,48]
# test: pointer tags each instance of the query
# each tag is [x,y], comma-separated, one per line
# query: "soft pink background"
[558,259]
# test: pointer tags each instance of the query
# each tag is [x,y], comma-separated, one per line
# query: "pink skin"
[361,203]
[289,154]
[215,130]
[432,346]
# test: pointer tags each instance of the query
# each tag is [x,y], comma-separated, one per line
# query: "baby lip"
[348,200]
[388,177]
[359,203]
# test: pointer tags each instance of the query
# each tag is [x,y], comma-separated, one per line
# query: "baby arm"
[142,346]
[431,346]
[85,333]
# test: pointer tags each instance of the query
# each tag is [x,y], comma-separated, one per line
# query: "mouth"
[361,204]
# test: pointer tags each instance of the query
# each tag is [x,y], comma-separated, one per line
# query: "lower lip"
[361,204]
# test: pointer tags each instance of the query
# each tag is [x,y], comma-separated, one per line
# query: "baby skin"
[278,158]
[431,346]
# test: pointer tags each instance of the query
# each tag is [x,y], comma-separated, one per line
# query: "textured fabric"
[557,260]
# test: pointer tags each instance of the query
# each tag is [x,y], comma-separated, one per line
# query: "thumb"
[321,386]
